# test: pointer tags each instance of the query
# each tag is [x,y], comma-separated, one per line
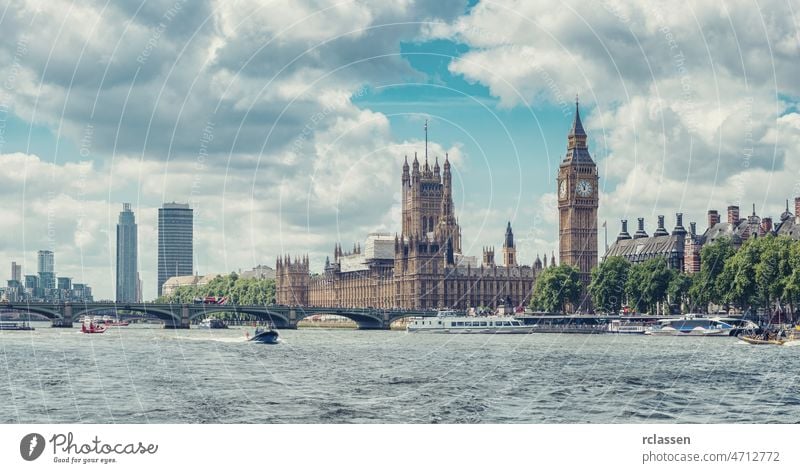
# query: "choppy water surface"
[137,374]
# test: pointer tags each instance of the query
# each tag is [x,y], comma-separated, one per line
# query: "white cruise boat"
[694,325]
[626,327]
[450,322]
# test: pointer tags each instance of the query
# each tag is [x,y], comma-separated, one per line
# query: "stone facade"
[682,248]
[420,268]
[578,201]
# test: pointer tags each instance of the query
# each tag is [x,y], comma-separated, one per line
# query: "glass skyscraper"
[127,256]
[46,266]
[175,251]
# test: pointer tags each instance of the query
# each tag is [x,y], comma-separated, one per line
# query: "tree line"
[240,291]
[762,275]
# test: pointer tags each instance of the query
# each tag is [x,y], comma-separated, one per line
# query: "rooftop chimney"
[733,214]
[679,230]
[661,231]
[623,234]
[640,233]
[797,209]
[713,218]
[693,227]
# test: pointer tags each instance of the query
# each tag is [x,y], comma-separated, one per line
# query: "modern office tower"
[174,242]
[65,284]
[127,255]
[47,273]
[16,271]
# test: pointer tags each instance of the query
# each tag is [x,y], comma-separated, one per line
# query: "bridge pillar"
[66,317]
[184,322]
[292,319]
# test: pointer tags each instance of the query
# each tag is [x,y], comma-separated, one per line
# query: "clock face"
[584,188]
[562,191]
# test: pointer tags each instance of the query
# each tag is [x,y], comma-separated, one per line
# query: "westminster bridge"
[181,315]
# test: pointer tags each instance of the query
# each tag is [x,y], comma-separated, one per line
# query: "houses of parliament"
[423,267]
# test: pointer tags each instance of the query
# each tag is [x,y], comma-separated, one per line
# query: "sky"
[285,123]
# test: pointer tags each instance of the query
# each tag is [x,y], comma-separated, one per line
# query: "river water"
[149,375]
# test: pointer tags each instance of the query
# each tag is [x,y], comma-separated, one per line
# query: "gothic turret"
[509,251]
[406,175]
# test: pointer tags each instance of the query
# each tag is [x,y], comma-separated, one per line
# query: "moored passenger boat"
[698,325]
[445,323]
[15,326]
[626,327]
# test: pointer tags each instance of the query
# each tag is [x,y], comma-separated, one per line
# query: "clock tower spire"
[577,206]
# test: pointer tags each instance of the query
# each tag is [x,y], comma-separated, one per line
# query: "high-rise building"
[16,271]
[65,284]
[46,266]
[577,206]
[127,255]
[175,252]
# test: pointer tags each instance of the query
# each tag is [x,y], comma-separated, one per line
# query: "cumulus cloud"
[690,105]
[244,109]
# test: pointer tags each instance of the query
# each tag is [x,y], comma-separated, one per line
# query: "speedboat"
[269,336]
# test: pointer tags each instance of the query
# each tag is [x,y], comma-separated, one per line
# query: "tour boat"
[624,327]
[444,322]
[754,340]
[15,326]
[268,336]
[212,323]
[109,322]
[697,325]
[772,337]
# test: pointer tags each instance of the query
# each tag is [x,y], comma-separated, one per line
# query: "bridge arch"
[263,314]
[165,315]
[52,314]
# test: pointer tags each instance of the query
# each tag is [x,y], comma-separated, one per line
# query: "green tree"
[737,283]
[238,291]
[679,289]
[555,288]
[792,286]
[773,270]
[705,285]
[648,283]
[608,284]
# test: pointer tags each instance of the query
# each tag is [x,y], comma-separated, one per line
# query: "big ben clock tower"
[577,207]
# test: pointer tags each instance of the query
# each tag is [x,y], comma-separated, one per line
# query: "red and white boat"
[92,327]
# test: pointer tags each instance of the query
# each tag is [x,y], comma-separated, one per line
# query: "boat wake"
[212,339]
